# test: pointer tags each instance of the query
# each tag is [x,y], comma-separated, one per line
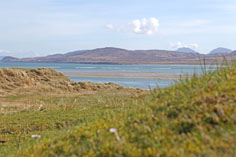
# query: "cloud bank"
[180,44]
[145,26]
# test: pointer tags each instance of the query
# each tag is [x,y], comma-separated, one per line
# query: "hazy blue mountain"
[233,52]
[220,50]
[1,57]
[10,59]
[186,49]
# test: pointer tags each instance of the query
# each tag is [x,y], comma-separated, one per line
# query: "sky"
[30,28]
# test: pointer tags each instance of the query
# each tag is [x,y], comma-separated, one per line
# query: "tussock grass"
[42,80]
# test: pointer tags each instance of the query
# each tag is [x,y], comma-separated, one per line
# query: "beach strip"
[128,75]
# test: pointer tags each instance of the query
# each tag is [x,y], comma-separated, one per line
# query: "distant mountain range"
[111,55]
[186,49]
[220,50]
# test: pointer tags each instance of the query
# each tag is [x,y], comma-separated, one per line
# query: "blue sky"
[35,28]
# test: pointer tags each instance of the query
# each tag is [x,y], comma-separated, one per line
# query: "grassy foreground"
[196,117]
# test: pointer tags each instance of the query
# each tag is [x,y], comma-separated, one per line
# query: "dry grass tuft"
[18,80]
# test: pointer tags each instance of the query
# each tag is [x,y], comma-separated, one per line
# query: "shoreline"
[127,75]
[121,63]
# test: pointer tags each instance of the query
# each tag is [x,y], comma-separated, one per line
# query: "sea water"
[129,82]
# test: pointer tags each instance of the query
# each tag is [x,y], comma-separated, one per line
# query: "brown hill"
[122,56]
[43,80]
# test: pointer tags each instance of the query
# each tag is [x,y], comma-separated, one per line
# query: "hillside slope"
[196,117]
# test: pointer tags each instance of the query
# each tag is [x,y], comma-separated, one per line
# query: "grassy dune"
[196,117]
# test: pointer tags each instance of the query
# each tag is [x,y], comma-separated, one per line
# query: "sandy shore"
[131,75]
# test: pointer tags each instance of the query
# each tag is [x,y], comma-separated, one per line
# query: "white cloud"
[145,26]
[176,45]
[193,46]
[109,26]
[180,44]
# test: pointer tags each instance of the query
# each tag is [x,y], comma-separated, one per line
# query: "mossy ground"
[195,117]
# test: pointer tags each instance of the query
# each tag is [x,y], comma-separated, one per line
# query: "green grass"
[196,117]
[54,118]
[19,127]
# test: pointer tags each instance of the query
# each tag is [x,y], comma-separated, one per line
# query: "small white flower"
[35,136]
[113,130]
